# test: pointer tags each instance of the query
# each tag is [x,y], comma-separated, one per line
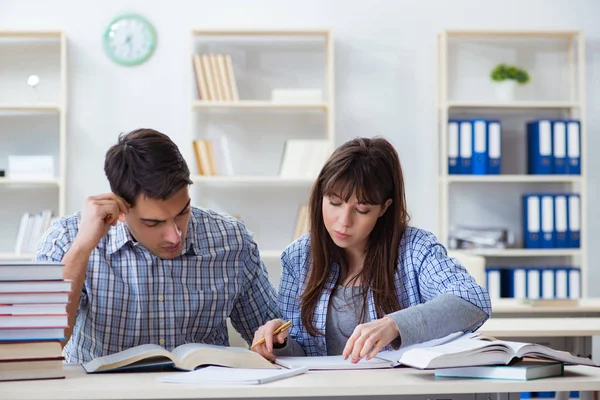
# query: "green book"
[522,370]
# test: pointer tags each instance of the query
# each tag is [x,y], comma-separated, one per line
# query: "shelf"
[16,257]
[256,104]
[252,180]
[508,33]
[512,105]
[524,252]
[258,32]
[30,182]
[30,34]
[511,179]
[41,107]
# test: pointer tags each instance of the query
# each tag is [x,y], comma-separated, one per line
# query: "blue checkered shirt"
[131,297]
[424,271]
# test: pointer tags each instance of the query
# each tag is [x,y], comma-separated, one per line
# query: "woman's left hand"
[368,339]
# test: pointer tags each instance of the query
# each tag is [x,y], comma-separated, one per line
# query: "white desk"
[399,382]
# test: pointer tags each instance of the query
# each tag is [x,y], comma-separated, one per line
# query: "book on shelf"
[523,370]
[213,157]
[31,229]
[304,158]
[302,222]
[185,357]
[238,376]
[215,77]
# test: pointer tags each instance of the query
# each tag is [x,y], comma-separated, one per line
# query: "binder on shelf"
[559,147]
[516,283]
[548,240]
[574,221]
[533,283]
[492,282]
[560,221]
[453,146]
[494,141]
[480,153]
[561,283]
[539,147]
[573,147]
[531,221]
[466,147]
[574,283]
[548,286]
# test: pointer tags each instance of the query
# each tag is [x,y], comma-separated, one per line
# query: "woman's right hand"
[266,331]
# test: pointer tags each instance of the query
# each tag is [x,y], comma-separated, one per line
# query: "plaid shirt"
[131,297]
[424,271]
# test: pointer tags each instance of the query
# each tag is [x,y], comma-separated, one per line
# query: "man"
[147,267]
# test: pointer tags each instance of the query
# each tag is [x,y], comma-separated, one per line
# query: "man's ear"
[385,207]
[122,217]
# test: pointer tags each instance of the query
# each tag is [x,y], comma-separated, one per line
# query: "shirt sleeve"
[440,274]
[437,318]
[258,301]
[55,243]
[290,292]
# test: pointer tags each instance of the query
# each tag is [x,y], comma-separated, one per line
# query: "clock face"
[129,39]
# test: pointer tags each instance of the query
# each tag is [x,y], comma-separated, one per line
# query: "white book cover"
[232,376]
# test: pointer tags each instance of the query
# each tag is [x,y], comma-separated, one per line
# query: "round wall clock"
[129,39]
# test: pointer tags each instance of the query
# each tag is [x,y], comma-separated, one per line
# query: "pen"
[278,330]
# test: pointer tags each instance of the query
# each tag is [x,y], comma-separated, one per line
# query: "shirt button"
[161,341]
[161,298]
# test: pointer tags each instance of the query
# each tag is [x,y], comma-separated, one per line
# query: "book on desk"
[522,370]
[464,350]
[186,357]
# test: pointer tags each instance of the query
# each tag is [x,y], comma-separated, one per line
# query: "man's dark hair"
[146,162]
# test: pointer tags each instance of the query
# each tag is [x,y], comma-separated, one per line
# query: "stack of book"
[33,306]
[215,77]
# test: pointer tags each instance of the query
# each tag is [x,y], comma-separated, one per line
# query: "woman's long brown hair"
[370,169]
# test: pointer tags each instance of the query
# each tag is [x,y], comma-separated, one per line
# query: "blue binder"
[574,220]
[559,147]
[547,217]
[573,147]
[480,152]
[561,221]
[494,129]
[453,146]
[466,147]
[539,147]
[531,221]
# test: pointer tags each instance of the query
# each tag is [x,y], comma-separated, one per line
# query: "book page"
[395,355]
[127,357]
[193,355]
[538,350]
[228,376]
[330,363]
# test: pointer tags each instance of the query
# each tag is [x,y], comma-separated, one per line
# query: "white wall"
[385,73]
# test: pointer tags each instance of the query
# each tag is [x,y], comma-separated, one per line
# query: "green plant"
[503,72]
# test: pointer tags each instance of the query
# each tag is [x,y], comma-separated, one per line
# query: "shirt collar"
[120,235]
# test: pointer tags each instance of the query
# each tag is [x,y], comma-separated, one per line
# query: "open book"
[473,352]
[186,357]
[385,359]
[226,376]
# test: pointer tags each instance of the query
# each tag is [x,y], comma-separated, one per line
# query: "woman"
[362,280]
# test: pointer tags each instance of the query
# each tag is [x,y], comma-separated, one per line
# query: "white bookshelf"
[555,61]
[32,122]
[256,127]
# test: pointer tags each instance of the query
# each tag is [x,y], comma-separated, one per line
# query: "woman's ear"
[385,207]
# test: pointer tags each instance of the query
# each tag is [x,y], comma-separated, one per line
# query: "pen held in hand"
[277,331]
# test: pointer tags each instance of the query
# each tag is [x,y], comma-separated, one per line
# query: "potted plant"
[506,78]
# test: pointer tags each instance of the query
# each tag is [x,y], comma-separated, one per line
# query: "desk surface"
[541,327]
[514,306]
[399,381]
